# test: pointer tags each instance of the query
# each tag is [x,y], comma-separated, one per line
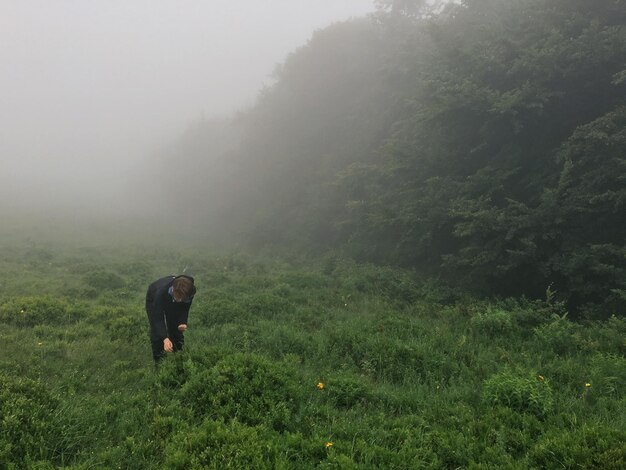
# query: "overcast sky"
[88,87]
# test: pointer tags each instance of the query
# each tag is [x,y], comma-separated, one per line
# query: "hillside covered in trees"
[480,142]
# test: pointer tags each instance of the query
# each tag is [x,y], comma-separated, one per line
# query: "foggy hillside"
[478,142]
[401,226]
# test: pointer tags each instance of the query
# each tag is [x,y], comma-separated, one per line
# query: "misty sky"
[89,88]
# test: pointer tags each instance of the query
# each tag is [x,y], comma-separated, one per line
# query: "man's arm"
[185,315]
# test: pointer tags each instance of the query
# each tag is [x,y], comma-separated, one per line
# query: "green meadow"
[294,363]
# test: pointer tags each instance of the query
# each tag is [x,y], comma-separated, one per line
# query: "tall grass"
[293,365]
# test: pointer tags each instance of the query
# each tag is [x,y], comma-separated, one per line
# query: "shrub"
[124,326]
[218,310]
[306,280]
[402,362]
[608,375]
[245,387]
[177,369]
[393,284]
[343,342]
[277,341]
[514,432]
[587,447]
[104,280]
[529,314]
[608,336]
[36,256]
[346,391]
[524,394]
[26,410]
[396,361]
[77,267]
[560,336]
[220,445]
[493,322]
[282,290]
[215,279]
[31,311]
[141,269]
[266,305]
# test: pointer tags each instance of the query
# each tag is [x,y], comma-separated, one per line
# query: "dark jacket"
[162,310]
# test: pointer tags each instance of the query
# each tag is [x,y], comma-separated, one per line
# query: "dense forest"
[479,142]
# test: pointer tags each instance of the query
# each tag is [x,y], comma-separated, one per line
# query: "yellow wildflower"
[328,445]
[320,385]
[587,385]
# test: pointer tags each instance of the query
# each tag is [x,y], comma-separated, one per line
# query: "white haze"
[90,88]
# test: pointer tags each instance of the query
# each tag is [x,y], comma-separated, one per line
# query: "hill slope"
[287,366]
[480,143]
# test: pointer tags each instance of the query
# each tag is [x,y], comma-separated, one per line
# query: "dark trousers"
[175,336]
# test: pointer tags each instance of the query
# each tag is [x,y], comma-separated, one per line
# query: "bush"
[397,361]
[277,341]
[26,410]
[177,369]
[266,305]
[342,342]
[245,387]
[121,325]
[346,391]
[306,280]
[139,269]
[31,311]
[393,284]
[515,433]
[104,280]
[37,256]
[529,314]
[608,376]
[493,322]
[218,310]
[217,445]
[608,336]
[524,394]
[587,447]
[560,336]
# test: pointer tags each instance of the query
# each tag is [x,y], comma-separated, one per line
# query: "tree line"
[480,142]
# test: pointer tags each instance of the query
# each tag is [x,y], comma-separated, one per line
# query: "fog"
[90,90]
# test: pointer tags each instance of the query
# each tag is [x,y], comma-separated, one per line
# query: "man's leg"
[157,350]
[157,346]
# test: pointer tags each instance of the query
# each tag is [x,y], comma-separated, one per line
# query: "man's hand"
[182,328]
[167,345]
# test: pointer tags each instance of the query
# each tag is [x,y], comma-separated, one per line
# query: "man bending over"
[167,303]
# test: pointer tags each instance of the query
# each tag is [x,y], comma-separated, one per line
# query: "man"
[167,303]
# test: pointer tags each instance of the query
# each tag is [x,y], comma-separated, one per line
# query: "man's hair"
[183,287]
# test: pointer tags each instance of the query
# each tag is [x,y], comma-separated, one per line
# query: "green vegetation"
[480,141]
[295,364]
[434,197]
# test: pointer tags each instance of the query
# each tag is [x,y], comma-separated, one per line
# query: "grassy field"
[293,364]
